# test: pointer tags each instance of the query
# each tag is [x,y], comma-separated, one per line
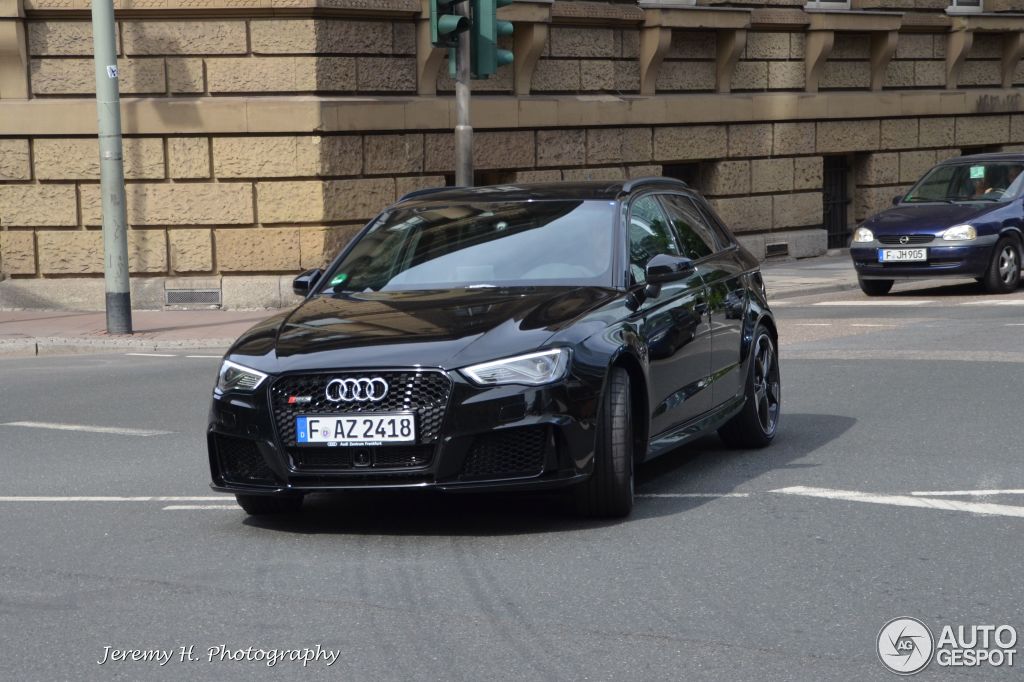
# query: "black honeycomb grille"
[511,452]
[425,393]
[384,457]
[241,462]
[911,239]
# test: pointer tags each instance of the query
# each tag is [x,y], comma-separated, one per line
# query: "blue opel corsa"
[964,218]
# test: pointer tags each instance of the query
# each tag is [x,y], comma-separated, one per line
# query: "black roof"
[610,190]
[990,156]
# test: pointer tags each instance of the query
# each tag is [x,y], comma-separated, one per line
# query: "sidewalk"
[28,333]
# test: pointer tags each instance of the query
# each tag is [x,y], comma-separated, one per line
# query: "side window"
[695,235]
[649,235]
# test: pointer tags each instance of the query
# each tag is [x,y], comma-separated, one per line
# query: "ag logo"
[905,646]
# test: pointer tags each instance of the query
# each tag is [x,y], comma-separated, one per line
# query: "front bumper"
[507,437]
[957,259]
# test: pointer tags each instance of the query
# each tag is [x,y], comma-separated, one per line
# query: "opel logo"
[356,390]
[904,239]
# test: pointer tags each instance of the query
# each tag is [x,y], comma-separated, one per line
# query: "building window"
[964,7]
[827,4]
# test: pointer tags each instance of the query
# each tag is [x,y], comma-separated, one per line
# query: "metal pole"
[115,234]
[463,131]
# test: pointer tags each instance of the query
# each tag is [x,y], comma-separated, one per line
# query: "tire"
[755,425]
[1003,274]
[875,287]
[263,505]
[608,493]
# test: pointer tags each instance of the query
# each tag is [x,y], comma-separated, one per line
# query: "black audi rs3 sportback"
[501,338]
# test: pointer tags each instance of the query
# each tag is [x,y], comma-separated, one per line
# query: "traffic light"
[445,25]
[485,56]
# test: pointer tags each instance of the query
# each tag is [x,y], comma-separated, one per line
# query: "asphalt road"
[781,564]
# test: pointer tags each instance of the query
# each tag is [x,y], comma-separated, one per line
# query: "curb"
[58,345]
[811,291]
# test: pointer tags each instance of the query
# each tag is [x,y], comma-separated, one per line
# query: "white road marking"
[192,507]
[1014,324]
[889,302]
[89,429]
[216,357]
[966,493]
[812,324]
[694,495]
[992,301]
[905,501]
[874,325]
[107,498]
[153,355]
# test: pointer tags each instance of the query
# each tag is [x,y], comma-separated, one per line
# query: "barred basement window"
[964,7]
[828,4]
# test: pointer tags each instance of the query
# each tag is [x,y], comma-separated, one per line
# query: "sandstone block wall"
[257,144]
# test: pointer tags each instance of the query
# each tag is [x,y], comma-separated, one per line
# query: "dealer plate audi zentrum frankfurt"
[506,337]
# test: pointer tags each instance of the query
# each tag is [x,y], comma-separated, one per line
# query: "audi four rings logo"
[904,239]
[354,390]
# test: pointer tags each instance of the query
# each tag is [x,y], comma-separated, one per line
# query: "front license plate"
[901,255]
[356,429]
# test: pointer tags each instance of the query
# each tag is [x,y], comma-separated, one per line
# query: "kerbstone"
[79,158]
[14,163]
[37,205]
[224,203]
[184,37]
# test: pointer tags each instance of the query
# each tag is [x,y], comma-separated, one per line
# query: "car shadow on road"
[704,467]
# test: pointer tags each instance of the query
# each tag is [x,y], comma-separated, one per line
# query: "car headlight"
[863,234]
[960,232]
[533,369]
[235,377]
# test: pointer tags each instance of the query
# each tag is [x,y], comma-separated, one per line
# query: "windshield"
[981,181]
[434,245]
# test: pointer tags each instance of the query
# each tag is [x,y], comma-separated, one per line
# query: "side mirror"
[302,284]
[896,199]
[664,268]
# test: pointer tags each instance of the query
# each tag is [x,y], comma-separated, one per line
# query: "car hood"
[446,328]
[925,218]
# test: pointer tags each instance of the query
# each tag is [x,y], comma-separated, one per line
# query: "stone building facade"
[260,134]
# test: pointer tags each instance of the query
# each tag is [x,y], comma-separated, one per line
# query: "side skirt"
[707,422]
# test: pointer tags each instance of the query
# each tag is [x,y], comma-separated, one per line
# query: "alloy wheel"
[1008,264]
[766,384]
